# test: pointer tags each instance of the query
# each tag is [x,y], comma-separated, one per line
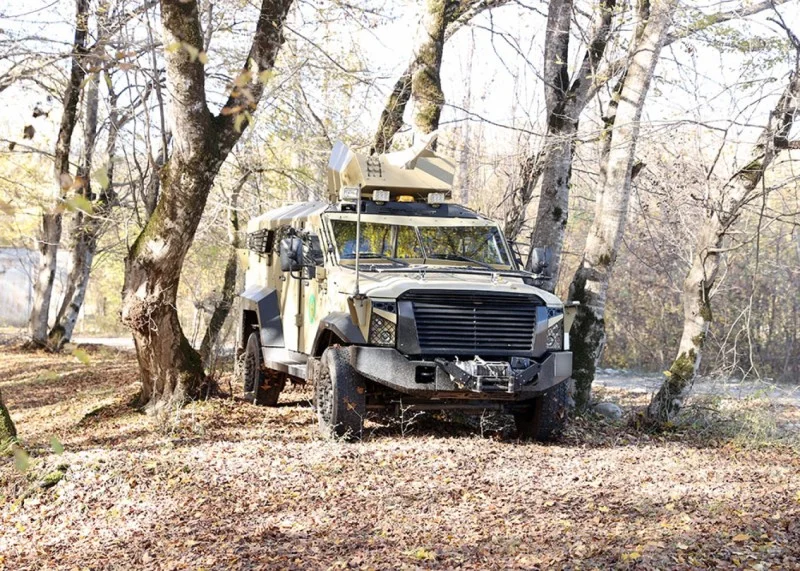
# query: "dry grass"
[224,484]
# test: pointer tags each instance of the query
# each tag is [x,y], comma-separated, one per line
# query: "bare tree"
[171,370]
[52,219]
[565,100]
[223,307]
[722,210]
[590,284]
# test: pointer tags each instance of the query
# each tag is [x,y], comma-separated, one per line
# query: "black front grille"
[473,323]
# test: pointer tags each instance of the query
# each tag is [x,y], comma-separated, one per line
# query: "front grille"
[473,323]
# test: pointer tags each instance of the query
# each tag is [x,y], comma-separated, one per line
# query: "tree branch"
[267,41]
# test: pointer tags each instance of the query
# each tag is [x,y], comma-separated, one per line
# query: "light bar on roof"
[381,195]
[435,198]
[349,193]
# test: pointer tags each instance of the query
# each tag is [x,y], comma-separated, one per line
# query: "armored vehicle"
[388,295]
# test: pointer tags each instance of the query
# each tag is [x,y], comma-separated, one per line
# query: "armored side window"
[315,250]
[261,241]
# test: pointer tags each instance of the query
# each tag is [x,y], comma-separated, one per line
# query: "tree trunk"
[565,99]
[171,370]
[86,225]
[553,207]
[590,284]
[8,431]
[722,211]
[223,307]
[51,221]
[442,19]
[426,81]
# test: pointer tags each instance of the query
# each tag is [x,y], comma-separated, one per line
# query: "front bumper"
[441,378]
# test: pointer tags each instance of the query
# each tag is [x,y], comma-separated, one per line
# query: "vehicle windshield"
[481,246]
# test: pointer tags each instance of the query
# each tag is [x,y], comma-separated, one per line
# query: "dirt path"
[638,383]
[226,485]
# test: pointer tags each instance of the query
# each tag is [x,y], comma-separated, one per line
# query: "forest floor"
[224,484]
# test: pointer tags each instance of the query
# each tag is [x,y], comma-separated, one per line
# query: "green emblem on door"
[312,308]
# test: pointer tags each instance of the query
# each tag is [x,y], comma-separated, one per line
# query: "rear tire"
[546,417]
[261,386]
[339,396]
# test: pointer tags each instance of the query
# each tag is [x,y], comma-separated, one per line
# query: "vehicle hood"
[390,285]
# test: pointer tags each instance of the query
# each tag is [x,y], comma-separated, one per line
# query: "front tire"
[261,386]
[545,418]
[339,396]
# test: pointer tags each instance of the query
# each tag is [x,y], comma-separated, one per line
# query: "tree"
[722,210]
[421,81]
[565,100]
[590,284]
[223,307]
[171,370]
[50,235]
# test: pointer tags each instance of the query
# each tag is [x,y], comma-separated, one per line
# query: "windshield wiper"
[373,255]
[461,258]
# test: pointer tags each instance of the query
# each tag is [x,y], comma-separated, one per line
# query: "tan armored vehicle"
[390,296]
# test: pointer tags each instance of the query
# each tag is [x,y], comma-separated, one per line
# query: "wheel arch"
[336,328]
[260,311]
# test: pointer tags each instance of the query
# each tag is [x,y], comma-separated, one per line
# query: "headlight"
[555,336]
[382,332]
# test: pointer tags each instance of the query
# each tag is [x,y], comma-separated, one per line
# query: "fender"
[263,301]
[339,325]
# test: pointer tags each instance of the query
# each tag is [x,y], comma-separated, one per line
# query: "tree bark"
[171,370]
[722,211]
[421,79]
[8,431]
[50,235]
[590,284]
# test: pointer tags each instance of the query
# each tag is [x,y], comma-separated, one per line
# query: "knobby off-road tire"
[546,416]
[339,396]
[261,385]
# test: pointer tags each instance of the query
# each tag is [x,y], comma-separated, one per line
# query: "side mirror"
[291,251]
[540,260]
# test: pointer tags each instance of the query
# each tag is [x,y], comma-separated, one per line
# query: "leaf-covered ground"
[224,484]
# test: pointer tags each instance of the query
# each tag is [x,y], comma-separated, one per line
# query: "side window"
[315,250]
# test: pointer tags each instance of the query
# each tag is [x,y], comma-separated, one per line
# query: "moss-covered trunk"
[442,19]
[171,370]
[7,429]
[669,399]
[722,210]
[591,281]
